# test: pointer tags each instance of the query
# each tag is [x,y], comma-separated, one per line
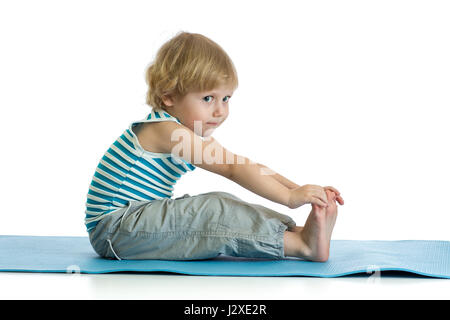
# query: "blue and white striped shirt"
[127,172]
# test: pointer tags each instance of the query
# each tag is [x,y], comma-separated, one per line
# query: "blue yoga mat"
[75,254]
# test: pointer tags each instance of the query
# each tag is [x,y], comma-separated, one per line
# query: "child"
[129,210]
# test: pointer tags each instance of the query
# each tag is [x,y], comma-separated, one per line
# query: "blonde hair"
[189,62]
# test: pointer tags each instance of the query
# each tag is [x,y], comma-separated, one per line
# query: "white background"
[352,94]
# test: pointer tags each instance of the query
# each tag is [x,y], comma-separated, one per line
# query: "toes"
[331,195]
[318,209]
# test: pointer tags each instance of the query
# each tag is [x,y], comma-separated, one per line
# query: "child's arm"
[270,185]
[291,185]
[283,180]
[261,180]
[208,154]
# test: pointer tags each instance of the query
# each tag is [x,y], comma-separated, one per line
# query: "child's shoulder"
[151,135]
[170,137]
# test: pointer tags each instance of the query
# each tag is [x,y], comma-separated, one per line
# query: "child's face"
[202,112]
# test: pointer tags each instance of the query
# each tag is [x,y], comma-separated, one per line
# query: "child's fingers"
[338,196]
[320,202]
[340,200]
[333,189]
[323,197]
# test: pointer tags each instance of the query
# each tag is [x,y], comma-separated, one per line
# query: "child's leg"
[193,227]
[312,242]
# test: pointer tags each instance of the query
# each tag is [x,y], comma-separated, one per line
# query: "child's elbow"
[224,170]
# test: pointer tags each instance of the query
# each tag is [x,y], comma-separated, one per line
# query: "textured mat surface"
[75,254]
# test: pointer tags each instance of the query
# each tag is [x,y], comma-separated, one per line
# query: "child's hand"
[338,194]
[308,194]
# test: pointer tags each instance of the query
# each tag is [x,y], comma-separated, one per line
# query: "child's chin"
[208,133]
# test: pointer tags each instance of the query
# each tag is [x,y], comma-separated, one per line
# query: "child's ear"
[167,100]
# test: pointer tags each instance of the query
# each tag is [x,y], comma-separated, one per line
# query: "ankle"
[305,251]
[295,245]
[308,253]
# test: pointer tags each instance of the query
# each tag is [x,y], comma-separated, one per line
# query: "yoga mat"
[75,255]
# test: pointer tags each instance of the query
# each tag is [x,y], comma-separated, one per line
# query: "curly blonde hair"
[188,62]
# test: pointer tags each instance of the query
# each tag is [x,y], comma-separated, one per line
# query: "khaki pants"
[195,227]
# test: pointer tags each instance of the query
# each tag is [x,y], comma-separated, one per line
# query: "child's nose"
[219,111]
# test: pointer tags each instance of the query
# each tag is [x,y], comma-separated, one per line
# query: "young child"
[130,212]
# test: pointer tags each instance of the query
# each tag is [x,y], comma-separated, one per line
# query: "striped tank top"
[127,172]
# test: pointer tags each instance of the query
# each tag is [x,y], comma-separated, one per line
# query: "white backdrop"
[352,94]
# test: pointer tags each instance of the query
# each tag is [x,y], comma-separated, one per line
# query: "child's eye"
[206,98]
[226,99]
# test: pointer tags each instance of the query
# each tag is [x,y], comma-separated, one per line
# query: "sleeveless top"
[127,172]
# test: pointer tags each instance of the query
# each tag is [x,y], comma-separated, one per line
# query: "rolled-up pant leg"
[191,227]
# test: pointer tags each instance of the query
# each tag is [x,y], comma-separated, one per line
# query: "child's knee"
[231,196]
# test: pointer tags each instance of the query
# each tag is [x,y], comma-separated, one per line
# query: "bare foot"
[318,229]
